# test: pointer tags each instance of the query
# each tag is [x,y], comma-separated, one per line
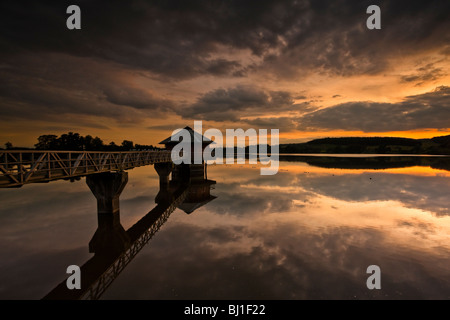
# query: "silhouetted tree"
[92,144]
[87,142]
[112,146]
[97,144]
[71,141]
[47,142]
[75,142]
[127,145]
[8,145]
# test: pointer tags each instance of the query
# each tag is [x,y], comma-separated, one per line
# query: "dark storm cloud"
[229,104]
[423,74]
[48,70]
[178,39]
[422,229]
[173,39]
[428,110]
[39,87]
[285,123]
[331,37]
[135,98]
[168,127]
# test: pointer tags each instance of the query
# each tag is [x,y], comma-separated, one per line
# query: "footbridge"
[22,167]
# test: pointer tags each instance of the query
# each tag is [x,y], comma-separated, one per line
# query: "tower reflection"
[114,247]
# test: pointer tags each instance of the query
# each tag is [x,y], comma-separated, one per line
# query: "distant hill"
[372,145]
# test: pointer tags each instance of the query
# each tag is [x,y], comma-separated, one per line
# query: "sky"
[138,70]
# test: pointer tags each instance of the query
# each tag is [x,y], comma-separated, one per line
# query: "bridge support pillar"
[164,169]
[110,236]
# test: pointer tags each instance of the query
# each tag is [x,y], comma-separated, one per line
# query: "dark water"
[308,232]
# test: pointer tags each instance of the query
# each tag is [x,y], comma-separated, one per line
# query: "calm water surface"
[308,232]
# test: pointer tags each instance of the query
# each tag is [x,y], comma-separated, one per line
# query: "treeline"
[352,145]
[76,142]
[371,145]
[367,141]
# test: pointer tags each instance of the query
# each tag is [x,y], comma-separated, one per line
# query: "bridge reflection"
[112,245]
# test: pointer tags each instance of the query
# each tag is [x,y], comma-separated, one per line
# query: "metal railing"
[20,167]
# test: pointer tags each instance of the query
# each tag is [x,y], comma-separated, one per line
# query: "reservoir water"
[308,232]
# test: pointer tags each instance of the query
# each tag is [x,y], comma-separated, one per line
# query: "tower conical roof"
[195,137]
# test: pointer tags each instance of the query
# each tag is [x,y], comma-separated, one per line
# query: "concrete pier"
[164,170]
[110,237]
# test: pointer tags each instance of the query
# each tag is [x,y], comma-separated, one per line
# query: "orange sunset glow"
[311,70]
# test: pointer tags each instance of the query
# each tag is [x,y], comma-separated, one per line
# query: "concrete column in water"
[110,236]
[164,169]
